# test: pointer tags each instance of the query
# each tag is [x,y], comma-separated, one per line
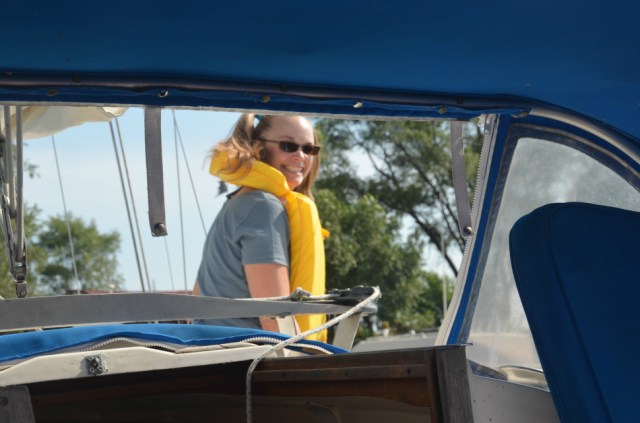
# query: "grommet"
[52,92]
[442,110]
[357,105]
[265,99]
[163,93]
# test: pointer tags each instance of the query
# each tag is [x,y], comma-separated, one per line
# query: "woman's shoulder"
[256,199]
[256,209]
[258,196]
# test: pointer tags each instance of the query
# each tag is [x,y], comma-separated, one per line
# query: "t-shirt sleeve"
[264,234]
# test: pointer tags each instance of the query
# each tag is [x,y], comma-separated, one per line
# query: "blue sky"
[92,187]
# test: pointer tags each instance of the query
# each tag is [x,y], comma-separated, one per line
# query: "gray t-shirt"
[252,228]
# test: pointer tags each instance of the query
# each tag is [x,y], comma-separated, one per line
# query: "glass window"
[540,172]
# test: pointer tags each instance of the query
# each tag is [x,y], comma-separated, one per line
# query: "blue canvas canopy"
[413,59]
[330,57]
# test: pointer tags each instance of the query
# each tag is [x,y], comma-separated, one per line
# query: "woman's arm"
[267,280]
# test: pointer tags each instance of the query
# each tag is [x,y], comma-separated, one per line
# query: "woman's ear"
[262,154]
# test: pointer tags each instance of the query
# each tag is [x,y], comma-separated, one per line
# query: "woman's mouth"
[293,169]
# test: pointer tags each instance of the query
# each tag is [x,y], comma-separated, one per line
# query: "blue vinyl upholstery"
[576,269]
[29,344]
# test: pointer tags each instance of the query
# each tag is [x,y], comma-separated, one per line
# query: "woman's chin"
[294,183]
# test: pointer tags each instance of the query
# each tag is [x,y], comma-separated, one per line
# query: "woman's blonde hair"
[243,148]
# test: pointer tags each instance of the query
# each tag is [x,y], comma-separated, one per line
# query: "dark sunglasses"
[292,147]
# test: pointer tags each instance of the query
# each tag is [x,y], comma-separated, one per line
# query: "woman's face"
[294,166]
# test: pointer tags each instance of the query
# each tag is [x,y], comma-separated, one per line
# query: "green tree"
[412,177]
[366,247]
[380,224]
[49,263]
[95,256]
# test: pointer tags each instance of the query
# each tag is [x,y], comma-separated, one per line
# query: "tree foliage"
[412,172]
[366,247]
[380,224]
[95,256]
[49,261]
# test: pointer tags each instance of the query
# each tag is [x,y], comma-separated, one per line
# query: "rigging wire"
[12,208]
[184,258]
[133,206]
[19,204]
[66,215]
[8,158]
[166,250]
[126,202]
[186,162]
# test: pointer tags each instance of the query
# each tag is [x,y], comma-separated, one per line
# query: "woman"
[267,240]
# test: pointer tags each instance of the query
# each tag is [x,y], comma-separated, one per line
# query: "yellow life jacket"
[307,269]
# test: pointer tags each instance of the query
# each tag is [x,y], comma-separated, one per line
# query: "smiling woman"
[267,239]
[289,145]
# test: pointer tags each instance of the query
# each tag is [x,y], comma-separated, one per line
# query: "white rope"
[355,309]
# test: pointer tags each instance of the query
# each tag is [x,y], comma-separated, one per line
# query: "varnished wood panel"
[432,378]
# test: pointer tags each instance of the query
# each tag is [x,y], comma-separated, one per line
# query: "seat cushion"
[577,273]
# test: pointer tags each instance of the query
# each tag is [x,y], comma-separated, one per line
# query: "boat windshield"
[541,172]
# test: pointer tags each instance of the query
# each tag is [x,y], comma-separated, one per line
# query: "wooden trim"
[432,378]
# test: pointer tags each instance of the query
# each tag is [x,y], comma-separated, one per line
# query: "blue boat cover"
[575,266]
[581,56]
[31,344]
